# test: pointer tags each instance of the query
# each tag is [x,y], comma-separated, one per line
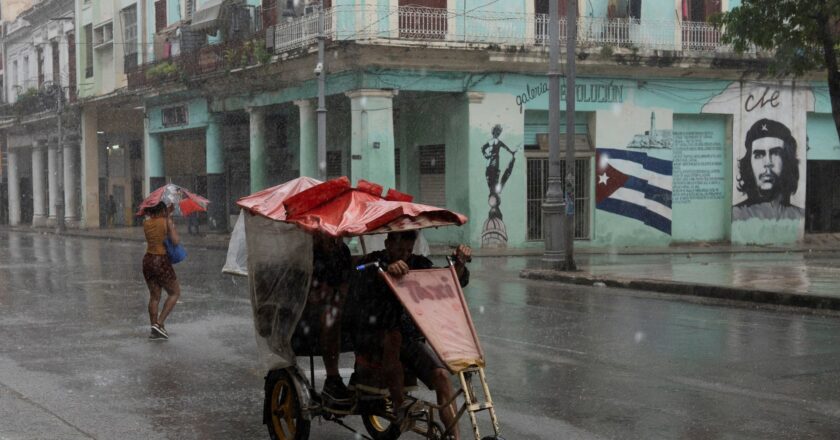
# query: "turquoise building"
[447,100]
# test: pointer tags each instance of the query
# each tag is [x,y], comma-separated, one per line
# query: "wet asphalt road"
[564,362]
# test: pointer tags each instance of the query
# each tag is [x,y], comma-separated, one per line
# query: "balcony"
[206,60]
[451,28]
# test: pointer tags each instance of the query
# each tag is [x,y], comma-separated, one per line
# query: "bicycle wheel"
[282,408]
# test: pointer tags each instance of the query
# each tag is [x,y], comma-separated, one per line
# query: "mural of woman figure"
[495,233]
[491,151]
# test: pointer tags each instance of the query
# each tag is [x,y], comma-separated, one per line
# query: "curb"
[688,289]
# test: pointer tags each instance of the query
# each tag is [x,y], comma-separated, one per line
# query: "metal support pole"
[552,205]
[571,40]
[59,159]
[321,111]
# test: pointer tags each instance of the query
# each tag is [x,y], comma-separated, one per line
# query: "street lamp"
[559,225]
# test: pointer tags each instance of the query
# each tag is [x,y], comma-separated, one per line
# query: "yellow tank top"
[155,230]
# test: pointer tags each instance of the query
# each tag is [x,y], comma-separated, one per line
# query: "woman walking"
[157,269]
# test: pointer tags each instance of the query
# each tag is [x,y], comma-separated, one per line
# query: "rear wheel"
[377,425]
[282,408]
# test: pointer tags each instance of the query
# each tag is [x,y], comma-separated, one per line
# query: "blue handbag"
[176,252]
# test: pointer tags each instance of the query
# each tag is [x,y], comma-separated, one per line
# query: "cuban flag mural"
[635,185]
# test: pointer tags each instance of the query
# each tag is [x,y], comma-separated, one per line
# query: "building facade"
[447,100]
[111,42]
[38,122]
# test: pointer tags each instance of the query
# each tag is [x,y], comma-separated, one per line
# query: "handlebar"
[371,265]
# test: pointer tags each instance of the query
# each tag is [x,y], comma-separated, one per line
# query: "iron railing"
[436,25]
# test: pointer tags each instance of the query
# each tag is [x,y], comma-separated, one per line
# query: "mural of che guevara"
[494,233]
[768,173]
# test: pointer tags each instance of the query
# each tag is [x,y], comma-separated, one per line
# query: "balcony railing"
[431,25]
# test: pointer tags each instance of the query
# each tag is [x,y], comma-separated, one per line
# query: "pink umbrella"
[170,194]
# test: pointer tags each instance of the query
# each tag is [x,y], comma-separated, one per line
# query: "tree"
[803,34]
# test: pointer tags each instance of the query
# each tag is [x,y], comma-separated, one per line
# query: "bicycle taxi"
[272,244]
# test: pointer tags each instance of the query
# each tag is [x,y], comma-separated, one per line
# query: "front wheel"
[377,425]
[282,408]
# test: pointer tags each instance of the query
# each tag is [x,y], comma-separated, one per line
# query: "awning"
[207,16]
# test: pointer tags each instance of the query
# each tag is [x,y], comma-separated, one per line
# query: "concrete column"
[71,181]
[372,136]
[257,141]
[39,196]
[154,162]
[308,157]
[14,187]
[90,167]
[52,180]
[217,211]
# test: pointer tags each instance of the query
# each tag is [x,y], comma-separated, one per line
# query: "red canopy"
[269,202]
[337,209]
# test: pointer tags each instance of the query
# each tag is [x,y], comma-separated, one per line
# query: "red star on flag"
[609,180]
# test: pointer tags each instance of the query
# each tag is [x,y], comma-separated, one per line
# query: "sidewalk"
[799,276]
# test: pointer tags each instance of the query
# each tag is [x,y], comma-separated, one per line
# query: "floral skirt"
[158,270]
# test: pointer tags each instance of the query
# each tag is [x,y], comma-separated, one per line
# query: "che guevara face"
[767,162]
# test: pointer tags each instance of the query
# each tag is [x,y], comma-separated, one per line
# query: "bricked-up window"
[160,15]
[175,116]
[433,175]
[334,164]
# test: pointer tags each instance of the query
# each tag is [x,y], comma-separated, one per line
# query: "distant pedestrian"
[110,211]
[192,223]
[157,269]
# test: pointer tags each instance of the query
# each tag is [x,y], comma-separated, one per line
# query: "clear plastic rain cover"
[279,271]
[236,262]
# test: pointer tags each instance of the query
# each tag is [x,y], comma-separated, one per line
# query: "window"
[433,175]
[700,10]
[56,64]
[537,183]
[334,164]
[541,7]
[128,16]
[39,59]
[269,13]
[14,73]
[71,57]
[88,51]
[160,15]
[103,35]
[190,8]
[624,9]
[175,116]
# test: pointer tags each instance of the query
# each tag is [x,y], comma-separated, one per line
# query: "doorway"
[822,197]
